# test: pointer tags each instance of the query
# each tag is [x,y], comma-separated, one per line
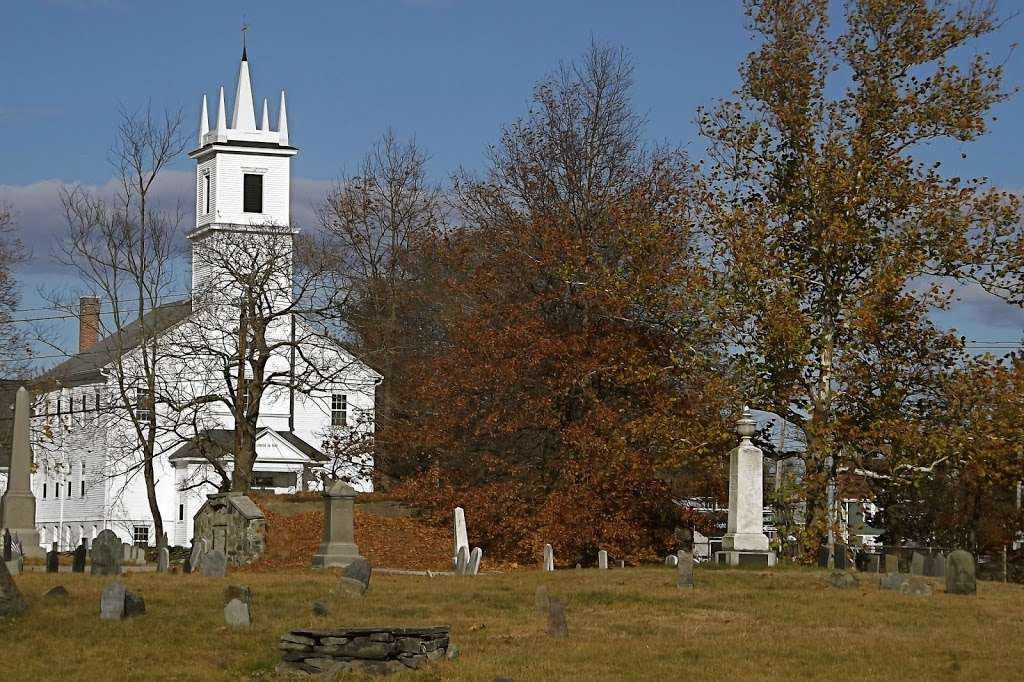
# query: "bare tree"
[372,218]
[123,250]
[13,345]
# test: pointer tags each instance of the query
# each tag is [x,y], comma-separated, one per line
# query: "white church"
[83,482]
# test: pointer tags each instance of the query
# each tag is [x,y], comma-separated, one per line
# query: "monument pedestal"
[18,504]
[745,558]
[338,548]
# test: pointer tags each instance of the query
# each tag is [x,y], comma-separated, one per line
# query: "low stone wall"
[380,650]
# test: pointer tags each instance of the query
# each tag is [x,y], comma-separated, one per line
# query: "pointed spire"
[222,125]
[204,123]
[282,121]
[266,117]
[244,117]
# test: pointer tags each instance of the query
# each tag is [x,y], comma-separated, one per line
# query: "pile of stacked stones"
[369,650]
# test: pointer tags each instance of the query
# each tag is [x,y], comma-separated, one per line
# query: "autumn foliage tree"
[835,241]
[570,375]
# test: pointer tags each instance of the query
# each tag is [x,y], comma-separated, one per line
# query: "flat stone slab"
[432,631]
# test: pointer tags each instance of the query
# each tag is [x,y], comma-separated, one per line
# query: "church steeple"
[244,117]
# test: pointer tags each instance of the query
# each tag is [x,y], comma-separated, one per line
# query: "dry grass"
[624,625]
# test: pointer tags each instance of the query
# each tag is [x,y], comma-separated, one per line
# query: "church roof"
[85,367]
[217,443]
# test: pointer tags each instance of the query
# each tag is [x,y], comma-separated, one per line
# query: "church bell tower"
[243,173]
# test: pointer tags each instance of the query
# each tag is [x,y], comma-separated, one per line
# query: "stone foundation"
[380,651]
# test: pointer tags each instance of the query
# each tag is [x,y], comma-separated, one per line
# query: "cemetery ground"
[623,624]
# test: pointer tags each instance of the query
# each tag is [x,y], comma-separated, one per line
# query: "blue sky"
[450,72]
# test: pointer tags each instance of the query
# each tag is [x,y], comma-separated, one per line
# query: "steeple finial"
[204,123]
[245,27]
[282,121]
[265,126]
[244,117]
[222,123]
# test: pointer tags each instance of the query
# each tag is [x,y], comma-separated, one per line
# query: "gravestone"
[541,599]
[549,558]
[461,561]
[474,561]
[917,564]
[163,560]
[321,609]
[461,534]
[840,561]
[905,584]
[338,547]
[355,578]
[960,573]
[112,601]
[671,561]
[873,563]
[842,579]
[684,565]
[78,560]
[18,504]
[892,563]
[745,542]
[126,553]
[940,565]
[8,546]
[823,556]
[602,559]
[134,605]
[106,554]
[58,593]
[11,601]
[557,626]
[53,560]
[237,606]
[195,557]
[214,564]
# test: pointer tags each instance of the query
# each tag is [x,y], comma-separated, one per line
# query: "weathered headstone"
[338,547]
[549,558]
[892,563]
[940,565]
[134,605]
[684,564]
[18,503]
[163,560]
[78,559]
[195,557]
[106,554]
[873,563]
[557,626]
[112,601]
[823,556]
[320,609]
[53,560]
[461,534]
[56,593]
[671,561]
[461,561]
[237,606]
[917,564]
[11,601]
[905,584]
[960,573]
[215,564]
[541,599]
[840,561]
[355,578]
[474,561]
[127,555]
[602,559]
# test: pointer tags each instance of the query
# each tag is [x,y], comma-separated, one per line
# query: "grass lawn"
[623,625]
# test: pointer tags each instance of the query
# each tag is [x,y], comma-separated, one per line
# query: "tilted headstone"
[106,554]
[549,558]
[474,561]
[112,601]
[215,564]
[960,573]
[163,560]
[11,601]
[917,564]
[602,559]
[461,561]
[355,578]
[461,534]
[78,560]
[557,626]
[671,561]
[684,565]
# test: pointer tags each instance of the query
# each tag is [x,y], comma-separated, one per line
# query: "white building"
[85,482]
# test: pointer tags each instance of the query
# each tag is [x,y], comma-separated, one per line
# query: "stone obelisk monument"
[18,505]
[745,543]
[338,547]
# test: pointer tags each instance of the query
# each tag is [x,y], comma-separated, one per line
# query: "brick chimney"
[88,322]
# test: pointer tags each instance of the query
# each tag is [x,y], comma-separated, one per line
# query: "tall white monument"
[18,505]
[745,543]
